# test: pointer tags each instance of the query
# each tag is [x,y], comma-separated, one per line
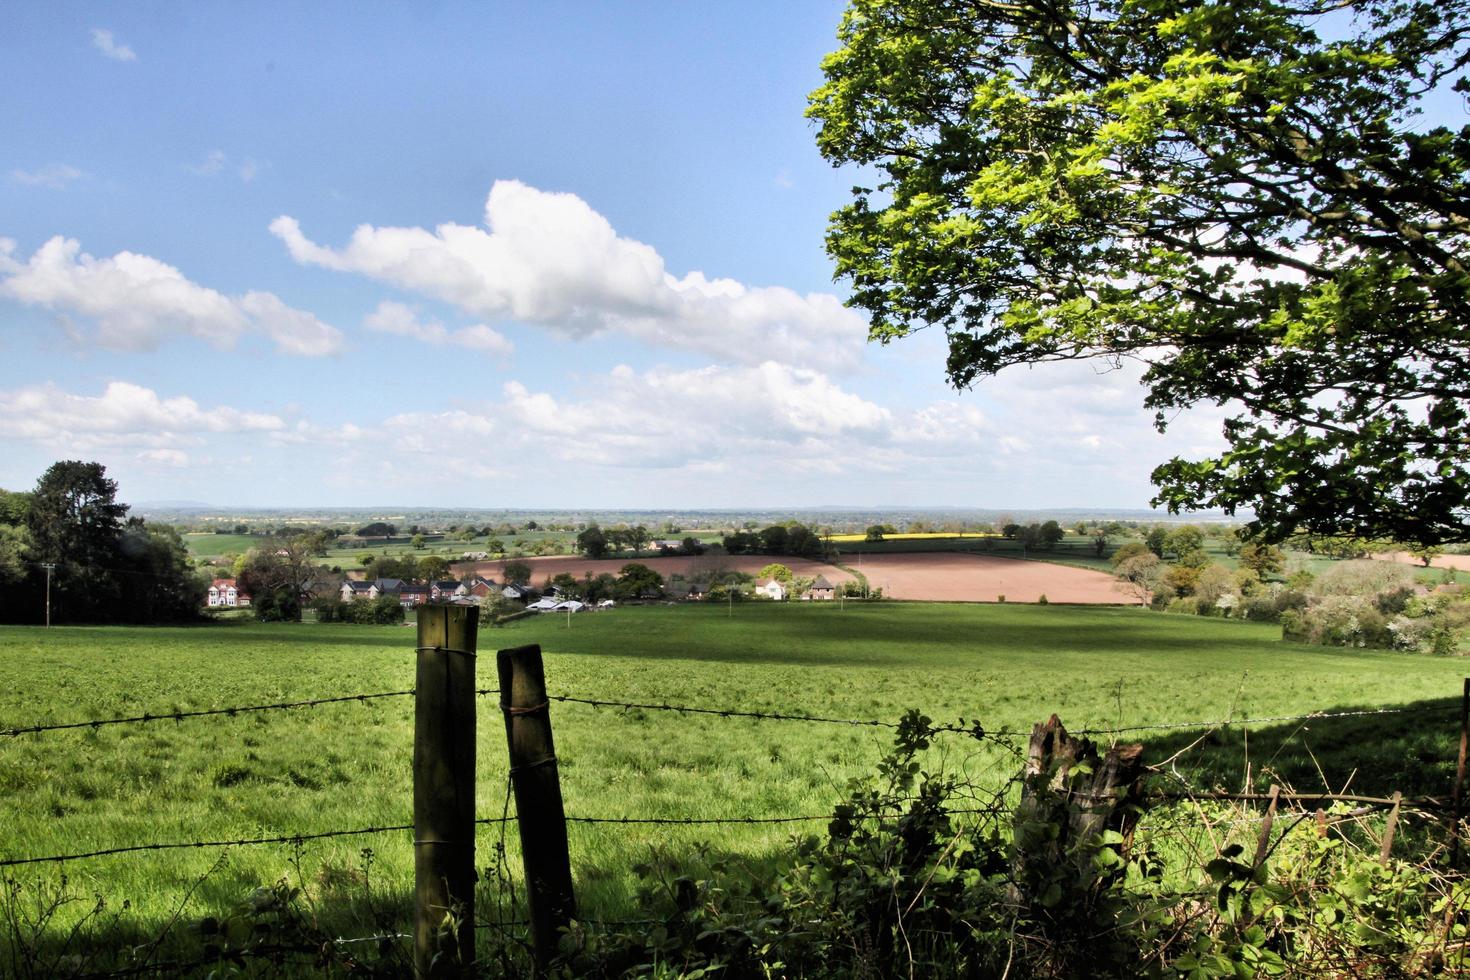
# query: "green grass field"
[343,766]
[214,545]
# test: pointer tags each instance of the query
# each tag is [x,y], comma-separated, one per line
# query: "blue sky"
[521,255]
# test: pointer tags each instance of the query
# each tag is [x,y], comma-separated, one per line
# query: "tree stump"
[1069,797]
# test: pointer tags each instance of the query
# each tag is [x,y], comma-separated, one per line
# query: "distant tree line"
[107,567]
[793,539]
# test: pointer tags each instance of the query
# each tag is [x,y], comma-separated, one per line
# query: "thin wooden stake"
[1262,846]
[444,792]
[1389,828]
[1460,774]
[537,785]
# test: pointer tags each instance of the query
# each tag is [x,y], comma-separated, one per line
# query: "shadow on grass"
[297,933]
[1413,752]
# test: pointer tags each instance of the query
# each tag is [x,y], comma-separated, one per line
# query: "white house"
[224,592]
[771,589]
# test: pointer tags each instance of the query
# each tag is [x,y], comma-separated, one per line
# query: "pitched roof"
[820,582]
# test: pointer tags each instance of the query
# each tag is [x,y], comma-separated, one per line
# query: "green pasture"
[343,766]
[214,545]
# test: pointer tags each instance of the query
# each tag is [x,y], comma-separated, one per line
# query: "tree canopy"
[105,566]
[1248,198]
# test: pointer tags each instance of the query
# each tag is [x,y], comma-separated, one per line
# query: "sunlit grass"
[343,766]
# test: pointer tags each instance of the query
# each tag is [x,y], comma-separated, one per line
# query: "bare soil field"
[932,576]
[983,578]
[691,568]
[1458,562]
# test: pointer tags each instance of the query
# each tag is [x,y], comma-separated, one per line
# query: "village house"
[821,589]
[447,590]
[519,593]
[371,590]
[771,589]
[224,592]
[414,595]
[480,587]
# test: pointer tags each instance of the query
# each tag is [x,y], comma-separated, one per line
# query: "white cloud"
[550,260]
[213,163]
[138,301]
[400,320]
[103,41]
[123,415]
[53,175]
[217,160]
[168,457]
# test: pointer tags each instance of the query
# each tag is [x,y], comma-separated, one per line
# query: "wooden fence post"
[1263,846]
[537,786]
[444,792]
[1389,828]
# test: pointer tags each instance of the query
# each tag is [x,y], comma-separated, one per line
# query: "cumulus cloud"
[137,301]
[103,41]
[400,320]
[55,176]
[123,415]
[550,260]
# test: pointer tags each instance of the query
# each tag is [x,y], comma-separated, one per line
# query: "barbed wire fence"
[1003,737]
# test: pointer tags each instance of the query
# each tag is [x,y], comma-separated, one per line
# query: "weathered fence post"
[1263,845]
[1059,814]
[537,786]
[1459,790]
[1389,828]
[444,792]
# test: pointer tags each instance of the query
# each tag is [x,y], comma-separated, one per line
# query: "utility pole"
[48,566]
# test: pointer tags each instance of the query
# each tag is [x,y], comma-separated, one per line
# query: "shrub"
[1363,577]
[330,609]
[1339,621]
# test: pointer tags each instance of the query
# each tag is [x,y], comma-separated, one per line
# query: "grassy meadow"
[344,766]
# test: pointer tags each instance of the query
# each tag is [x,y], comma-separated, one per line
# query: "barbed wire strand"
[152,716]
[971,729]
[247,841]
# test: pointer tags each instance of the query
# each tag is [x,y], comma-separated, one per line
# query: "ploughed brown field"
[933,576]
[945,577]
[1458,562]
